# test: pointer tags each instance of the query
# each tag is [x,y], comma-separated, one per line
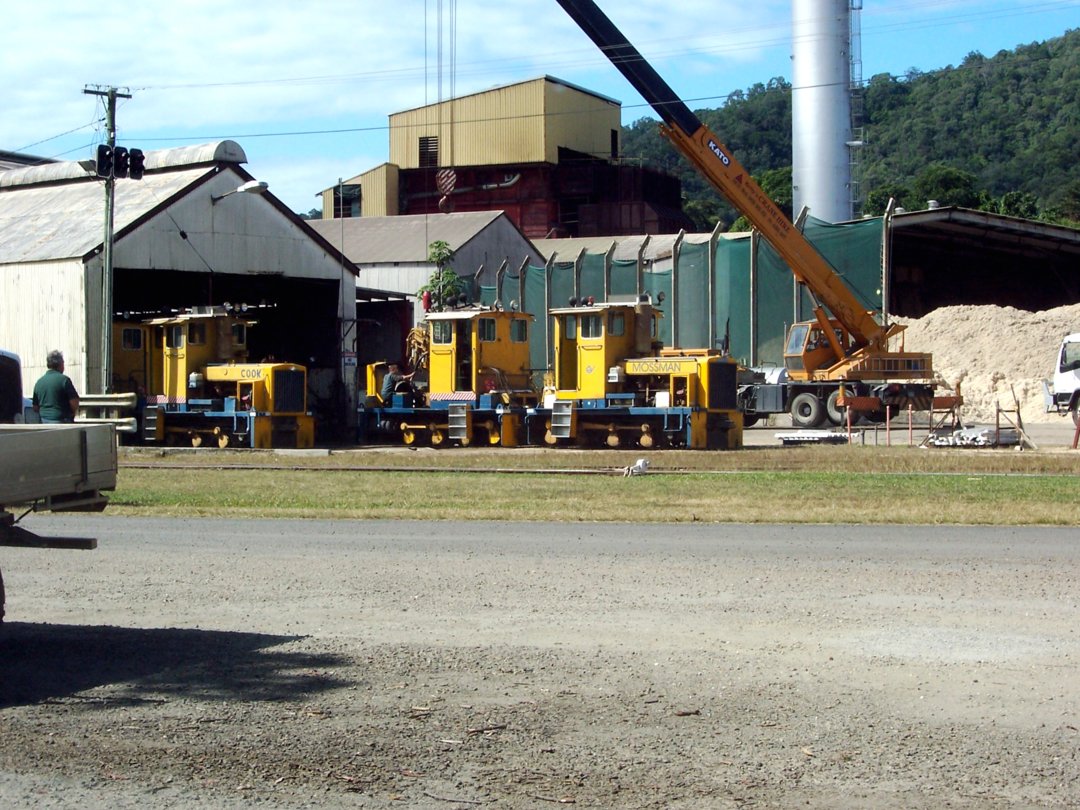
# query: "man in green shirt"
[55,397]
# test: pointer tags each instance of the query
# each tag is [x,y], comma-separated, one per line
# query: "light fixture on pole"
[250,187]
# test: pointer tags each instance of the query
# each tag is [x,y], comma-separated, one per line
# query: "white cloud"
[207,70]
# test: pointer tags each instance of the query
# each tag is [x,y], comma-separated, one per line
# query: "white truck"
[47,467]
[1063,396]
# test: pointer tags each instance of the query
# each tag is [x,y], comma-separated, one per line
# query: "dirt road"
[209,663]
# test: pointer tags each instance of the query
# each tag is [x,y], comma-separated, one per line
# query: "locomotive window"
[197,333]
[442,332]
[239,334]
[174,337]
[485,330]
[616,324]
[570,327]
[591,326]
[519,330]
[132,339]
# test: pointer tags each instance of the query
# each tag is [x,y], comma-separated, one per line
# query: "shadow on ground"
[39,662]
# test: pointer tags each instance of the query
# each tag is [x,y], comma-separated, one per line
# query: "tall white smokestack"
[821,108]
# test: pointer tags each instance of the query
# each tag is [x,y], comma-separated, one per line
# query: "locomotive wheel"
[408,436]
[196,440]
[223,440]
[612,439]
[646,439]
[437,437]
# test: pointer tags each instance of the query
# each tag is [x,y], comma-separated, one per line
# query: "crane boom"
[715,161]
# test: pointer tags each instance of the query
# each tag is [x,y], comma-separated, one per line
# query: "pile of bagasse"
[994,353]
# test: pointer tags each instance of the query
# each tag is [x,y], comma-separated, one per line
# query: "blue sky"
[306,88]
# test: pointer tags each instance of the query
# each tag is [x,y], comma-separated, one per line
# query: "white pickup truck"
[47,467]
[1064,395]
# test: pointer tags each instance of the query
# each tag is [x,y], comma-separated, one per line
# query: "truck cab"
[809,348]
[1064,396]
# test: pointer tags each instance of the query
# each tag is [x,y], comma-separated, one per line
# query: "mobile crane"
[844,350]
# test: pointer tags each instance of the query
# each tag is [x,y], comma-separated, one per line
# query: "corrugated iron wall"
[522,123]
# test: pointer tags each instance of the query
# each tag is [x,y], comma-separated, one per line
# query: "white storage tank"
[821,108]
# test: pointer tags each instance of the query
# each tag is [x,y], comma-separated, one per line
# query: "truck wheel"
[1076,416]
[837,414]
[807,411]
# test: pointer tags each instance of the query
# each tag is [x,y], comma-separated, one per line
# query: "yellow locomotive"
[615,384]
[196,387]
[611,384]
[477,387]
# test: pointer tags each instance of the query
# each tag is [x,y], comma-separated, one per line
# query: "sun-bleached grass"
[837,495]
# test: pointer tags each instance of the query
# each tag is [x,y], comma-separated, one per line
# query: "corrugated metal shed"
[524,122]
[175,246]
[391,253]
[65,220]
[379,240]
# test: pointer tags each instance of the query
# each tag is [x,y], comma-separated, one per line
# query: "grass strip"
[745,497]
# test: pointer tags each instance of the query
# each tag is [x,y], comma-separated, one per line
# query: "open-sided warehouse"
[183,237]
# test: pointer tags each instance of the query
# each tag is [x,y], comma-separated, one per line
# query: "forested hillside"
[998,133]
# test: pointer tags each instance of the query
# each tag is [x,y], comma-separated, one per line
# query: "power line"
[569,60]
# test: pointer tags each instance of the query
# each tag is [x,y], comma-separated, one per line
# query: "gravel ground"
[221,664]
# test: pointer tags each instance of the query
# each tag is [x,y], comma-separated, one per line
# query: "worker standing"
[55,397]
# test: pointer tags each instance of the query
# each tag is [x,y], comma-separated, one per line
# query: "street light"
[250,187]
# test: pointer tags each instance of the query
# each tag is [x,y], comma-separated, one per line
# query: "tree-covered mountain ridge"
[998,133]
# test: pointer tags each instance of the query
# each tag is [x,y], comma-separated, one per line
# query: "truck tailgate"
[41,461]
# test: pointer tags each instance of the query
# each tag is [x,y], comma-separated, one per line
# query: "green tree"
[947,185]
[1007,123]
[444,282]
[1016,204]
[706,212]
[877,199]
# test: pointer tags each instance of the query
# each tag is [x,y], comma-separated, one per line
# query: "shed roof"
[56,210]
[959,256]
[380,240]
[66,221]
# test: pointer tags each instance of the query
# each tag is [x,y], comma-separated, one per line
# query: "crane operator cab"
[809,348]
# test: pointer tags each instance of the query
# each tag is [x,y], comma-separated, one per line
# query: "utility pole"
[110,94]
